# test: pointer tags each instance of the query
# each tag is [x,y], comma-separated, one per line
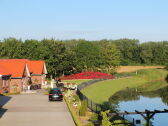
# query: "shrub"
[105,119]
[83,108]
[76,98]
[47,90]
[94,117]
[89,124]
[119,123]
[7,94]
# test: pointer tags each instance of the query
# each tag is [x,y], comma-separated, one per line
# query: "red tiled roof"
[36,67]
[4,71]
[15,68]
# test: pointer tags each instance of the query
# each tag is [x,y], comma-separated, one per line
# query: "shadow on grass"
[3,101]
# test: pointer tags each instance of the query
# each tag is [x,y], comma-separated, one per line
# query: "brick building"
[19,75]
[4,80]
[38,71]
[20,71]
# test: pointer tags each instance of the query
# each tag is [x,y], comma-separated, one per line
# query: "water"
[147,103]
[151,97]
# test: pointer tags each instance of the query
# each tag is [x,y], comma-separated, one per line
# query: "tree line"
[64,57]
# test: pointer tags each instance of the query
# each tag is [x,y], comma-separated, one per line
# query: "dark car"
[55,94]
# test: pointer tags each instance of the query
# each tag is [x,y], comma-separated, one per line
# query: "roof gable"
[15,68]
[36,67]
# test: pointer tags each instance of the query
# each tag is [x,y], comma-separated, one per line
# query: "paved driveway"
[34,110]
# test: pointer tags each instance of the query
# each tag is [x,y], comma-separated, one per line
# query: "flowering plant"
[88,75]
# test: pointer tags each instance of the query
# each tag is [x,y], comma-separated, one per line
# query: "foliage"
[105,119]
[87,56]
[76,98]
[119,123]
[47,90]
[89,124]
[83,108]
[129,51]
[74,56]
[7,94]
[109,56]
[94,117]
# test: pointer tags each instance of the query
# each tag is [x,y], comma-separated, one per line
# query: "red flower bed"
[88,75]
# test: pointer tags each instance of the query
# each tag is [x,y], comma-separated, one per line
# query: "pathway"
[33,110]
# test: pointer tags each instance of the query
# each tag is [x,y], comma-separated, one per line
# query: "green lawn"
[101,91]
[76,81]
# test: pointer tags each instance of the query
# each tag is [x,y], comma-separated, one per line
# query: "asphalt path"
[33,110]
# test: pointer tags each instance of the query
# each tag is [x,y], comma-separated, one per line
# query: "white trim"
[45,69]
[27,70]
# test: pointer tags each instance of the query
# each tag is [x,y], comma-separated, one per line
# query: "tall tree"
[11,48]
[110,56]
[129,49]
[87,56]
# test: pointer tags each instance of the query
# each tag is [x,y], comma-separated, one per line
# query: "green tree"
[129,49]
[110,56]
[55,56]
[11,48]
[87,56]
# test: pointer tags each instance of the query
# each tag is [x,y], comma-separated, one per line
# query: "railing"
[97,108]
[90,104]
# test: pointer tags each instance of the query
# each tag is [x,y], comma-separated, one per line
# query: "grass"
[101,91]
[7,94]
[76,81]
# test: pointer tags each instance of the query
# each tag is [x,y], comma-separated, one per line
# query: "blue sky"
[146,20]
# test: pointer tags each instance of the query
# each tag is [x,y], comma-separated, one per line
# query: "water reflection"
[133,94]
[149,96]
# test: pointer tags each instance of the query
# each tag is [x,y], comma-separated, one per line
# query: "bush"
[119,123]
[76,98]
[83,108]
[89,124]
[94,117]
[47,90]
[7,94]
[105,119]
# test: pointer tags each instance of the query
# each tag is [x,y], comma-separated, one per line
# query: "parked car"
[55,94]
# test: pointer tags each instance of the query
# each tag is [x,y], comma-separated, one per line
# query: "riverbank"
[101,91]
